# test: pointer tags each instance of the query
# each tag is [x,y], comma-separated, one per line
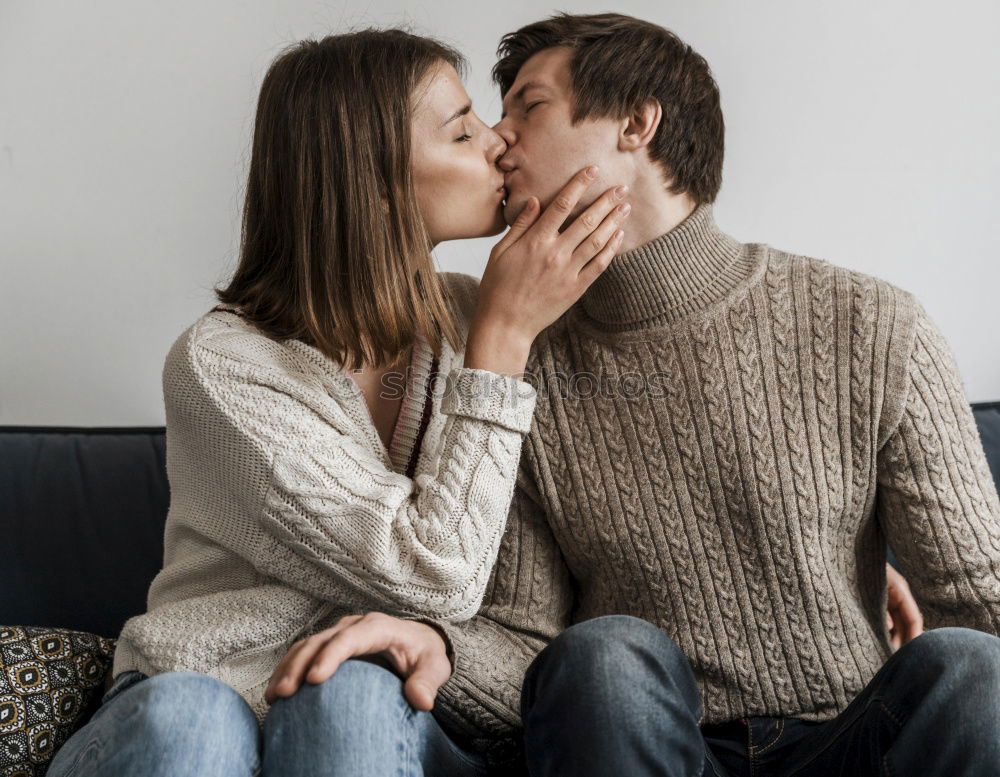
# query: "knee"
[613,653]
[188,710]
[366,690]
[967,655]
[614,672]
[615,643]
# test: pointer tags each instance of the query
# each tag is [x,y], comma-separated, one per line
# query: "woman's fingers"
[598,264]
[553,217]
[291,670]
[562,206]
[367,635]
[586,230]
[416,651]
[599,237]
[534,279]
[319,656]
[280,683]
[429,674]
[527,217]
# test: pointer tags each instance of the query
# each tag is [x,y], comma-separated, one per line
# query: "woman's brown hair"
[333,249]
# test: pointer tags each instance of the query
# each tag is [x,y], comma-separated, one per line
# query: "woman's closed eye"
[463,138]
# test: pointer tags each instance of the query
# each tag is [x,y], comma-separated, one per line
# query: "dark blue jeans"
[615,695]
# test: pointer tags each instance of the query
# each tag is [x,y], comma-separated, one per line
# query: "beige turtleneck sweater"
[725,438]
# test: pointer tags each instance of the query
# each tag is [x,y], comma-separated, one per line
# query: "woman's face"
[459,187]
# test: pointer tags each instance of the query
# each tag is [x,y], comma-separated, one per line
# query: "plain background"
[864,133]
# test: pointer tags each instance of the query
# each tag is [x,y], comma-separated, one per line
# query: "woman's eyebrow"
[463,111]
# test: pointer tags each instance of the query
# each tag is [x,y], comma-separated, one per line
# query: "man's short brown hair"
[618,62]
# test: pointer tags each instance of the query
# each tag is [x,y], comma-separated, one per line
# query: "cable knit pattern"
[725,437]
[287,510]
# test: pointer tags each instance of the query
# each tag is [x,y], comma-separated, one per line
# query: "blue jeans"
[357,722]
[615,695]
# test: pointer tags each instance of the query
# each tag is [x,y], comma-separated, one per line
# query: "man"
[726,436]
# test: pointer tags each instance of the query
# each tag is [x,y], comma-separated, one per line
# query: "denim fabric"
[357,722]
[614,695]
[177,723]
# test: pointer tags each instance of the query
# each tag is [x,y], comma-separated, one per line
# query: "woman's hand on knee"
[416,651]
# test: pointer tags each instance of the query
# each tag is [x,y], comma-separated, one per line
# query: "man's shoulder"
[825,278]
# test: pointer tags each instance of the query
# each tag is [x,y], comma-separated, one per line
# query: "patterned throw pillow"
[49,682]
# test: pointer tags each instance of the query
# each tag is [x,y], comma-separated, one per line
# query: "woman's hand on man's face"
[536,272]
[416,651]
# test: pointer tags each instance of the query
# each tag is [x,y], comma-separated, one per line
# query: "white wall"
[864,133]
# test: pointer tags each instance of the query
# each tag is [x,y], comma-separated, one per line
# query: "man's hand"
[903,616]
[416,651]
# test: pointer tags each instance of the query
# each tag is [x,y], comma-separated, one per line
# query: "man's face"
[544,148]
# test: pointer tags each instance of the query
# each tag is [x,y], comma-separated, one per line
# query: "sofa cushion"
[51,681]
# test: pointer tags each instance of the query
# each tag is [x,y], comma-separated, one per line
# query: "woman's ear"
[638,129]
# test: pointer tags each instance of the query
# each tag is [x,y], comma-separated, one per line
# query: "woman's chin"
[499,224]
[495,227]
[488,228]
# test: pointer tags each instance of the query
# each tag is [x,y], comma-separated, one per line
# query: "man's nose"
[497,147]
[503,129]
[505,164]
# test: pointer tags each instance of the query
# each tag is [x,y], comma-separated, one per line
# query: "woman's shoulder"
[226,331]
[223,339]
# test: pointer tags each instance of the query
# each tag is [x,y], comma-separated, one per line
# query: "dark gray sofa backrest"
[81,524]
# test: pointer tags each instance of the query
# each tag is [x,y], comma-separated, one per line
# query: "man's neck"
[681,270]
[655,211]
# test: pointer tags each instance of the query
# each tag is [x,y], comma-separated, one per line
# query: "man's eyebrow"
[519,94]
[463,111]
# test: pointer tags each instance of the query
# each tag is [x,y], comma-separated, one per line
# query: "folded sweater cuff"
[489,396]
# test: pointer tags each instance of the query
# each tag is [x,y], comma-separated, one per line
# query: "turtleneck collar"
[683,271]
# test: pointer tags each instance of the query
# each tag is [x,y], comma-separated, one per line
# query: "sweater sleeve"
[528,603]
[313,505]
[935,496]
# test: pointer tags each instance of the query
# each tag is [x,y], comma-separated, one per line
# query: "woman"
[300,491]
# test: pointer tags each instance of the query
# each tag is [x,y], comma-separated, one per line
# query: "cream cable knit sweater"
[755,426]
[287,510]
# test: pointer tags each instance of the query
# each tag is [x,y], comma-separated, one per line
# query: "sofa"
[82,512]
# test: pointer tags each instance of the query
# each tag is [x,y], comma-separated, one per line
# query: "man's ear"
[638,129]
